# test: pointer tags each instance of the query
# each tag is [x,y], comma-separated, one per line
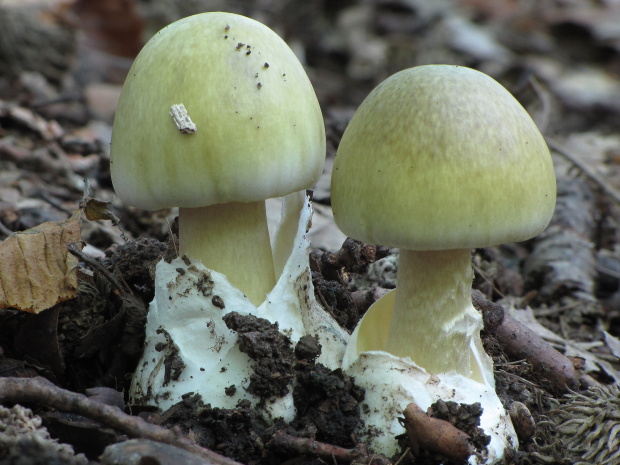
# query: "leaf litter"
[559,59]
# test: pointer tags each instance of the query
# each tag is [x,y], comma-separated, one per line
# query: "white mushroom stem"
[233,239]
[434,320]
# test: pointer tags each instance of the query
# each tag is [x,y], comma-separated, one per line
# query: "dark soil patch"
[271,351]
[135,261]
[465,417]
[336,299]
[239,433]
[327,401]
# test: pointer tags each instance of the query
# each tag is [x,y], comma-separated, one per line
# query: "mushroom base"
[392,382]
[189,347]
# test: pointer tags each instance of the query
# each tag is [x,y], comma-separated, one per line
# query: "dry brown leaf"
[48,130]
[36,270]
[95,209]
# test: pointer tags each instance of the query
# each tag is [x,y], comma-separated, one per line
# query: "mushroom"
[215,116]
[438,160]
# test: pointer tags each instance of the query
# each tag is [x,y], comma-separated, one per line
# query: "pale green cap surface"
[259,129]
[442,157]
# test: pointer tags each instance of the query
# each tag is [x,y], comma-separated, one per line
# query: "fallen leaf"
[570,348]
[48,130]
[36,270]
[95,209]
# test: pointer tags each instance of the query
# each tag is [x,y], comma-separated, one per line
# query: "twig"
[545,102]
[520,342]
[589,172]
[327,452]
[403,456]
[486,279]
[39,390]
[436,436]
[120,285]
[353,257]
[521,379]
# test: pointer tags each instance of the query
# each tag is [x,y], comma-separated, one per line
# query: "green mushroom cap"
[251,127]
[442,157]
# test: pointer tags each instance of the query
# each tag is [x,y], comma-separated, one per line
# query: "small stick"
[436,436]
[327,452]
[4,230]
[520,342]
[39,390]
[545,101]
[120,285]
[586,169]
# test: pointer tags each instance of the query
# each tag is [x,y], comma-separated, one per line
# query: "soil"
[327,401]
[271,351]
[62,65]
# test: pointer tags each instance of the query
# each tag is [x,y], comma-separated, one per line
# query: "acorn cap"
[216,108]
[442,157]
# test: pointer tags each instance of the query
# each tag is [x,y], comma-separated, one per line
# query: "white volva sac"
[188,346]
[391,383]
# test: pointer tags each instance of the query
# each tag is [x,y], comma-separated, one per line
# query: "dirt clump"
[327,401]
[135,262]
[240,433]
[271,351]
[465,417]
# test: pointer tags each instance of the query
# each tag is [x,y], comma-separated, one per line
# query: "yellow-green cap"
[442,157]
[257,126]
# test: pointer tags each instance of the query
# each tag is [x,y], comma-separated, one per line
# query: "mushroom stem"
[233,239]
[434,320]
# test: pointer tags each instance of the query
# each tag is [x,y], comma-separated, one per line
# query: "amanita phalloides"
[437,160]
[216,115]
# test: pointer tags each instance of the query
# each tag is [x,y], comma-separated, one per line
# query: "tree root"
[327,452]
[520,342]
[39,390]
